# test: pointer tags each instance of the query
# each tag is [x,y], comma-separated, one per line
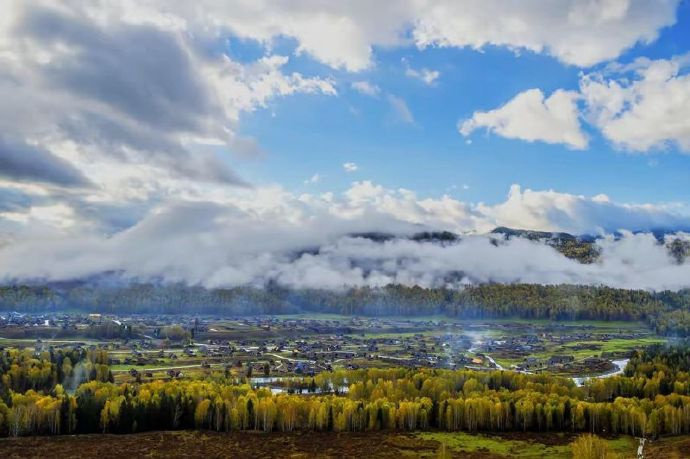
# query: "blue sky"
[312,134]
[116,112]
[208,142]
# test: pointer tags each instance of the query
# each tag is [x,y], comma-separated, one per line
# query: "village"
[267,348]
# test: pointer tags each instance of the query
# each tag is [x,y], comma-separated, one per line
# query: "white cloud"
[400,109]
[532,117]
[344,34]
[582,33]
[424,75]
[246,87]
[554,211]
[271,228]
[127,173]
[350,167]
[84,103]
[365,206]
[366,88]
[642,106]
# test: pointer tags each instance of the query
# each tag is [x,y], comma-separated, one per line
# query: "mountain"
[580,248]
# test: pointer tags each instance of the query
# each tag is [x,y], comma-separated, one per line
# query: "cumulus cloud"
[643,105]
[533,117]
[640,107]
[581,33]
[577,214]
[345,34]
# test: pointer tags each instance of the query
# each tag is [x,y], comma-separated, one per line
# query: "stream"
[620,366]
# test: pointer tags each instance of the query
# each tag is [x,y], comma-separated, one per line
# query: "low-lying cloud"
[308,243]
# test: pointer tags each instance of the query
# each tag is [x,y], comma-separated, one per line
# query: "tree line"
[651,399]
[667,312]
[23,370]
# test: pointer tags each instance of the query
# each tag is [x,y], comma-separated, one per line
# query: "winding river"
[620,366]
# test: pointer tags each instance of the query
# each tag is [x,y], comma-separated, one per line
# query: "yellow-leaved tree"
[590,446]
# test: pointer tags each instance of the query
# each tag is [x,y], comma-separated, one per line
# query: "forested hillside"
[667,312]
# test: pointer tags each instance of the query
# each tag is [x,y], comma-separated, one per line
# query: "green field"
[551,445]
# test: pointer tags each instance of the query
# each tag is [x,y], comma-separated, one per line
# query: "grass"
[624,446]
[525,446]
[29,342]
[461,441]
[613,345]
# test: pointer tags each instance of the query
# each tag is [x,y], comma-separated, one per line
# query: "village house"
[560,359]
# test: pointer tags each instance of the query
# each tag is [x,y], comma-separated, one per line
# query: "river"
[620,366]
[579,380]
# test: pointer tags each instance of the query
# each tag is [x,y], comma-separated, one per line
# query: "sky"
[423,150]
[210,122]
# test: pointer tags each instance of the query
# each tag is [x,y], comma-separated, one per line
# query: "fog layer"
[217,246]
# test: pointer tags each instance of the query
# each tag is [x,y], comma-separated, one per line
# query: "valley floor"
[317,444]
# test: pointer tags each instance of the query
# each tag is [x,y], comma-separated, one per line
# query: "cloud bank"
[120,120]
[344,34]
[268,235]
